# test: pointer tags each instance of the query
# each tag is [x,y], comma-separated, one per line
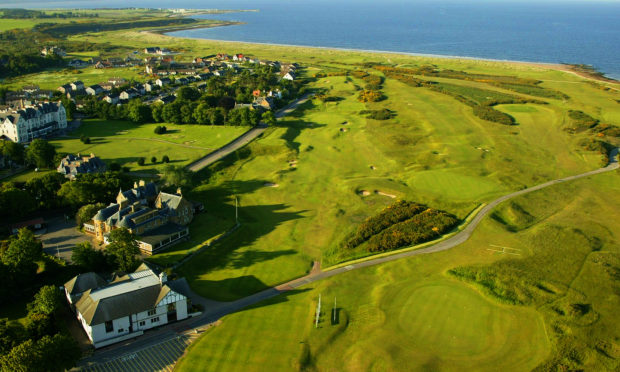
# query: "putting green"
[460,326]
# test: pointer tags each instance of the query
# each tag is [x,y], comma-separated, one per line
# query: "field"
[534,287]
[325,156]
[413,313]
[124,142]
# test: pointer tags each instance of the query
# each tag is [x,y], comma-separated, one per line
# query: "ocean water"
[552,31]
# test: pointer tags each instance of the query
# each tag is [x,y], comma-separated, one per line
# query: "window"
[142,323]
[109,327]
[155,320]
[152,312]
[172,307]
[120,330]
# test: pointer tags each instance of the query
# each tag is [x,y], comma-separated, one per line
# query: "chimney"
[142,183]
[135,185]
[179,192]
[163,277]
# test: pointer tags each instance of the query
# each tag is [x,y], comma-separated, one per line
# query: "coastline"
[547,65]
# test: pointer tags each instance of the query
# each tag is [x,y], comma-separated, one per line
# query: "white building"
[31,122]
[125,307]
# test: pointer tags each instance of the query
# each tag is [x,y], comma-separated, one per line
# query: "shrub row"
[397,212]
[421,228]
[383,114]
[370,96]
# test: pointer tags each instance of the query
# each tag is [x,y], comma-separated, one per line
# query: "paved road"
[216,310]
[242,140]
[60,237]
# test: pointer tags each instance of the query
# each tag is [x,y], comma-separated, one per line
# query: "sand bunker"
[385,194]
[364,192]
[271,184]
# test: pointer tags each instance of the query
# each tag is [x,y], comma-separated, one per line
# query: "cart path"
[244,139]
[215,310]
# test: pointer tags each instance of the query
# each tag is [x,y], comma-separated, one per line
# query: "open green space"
[124,142]
[52,79]
[313,178]
[414,313]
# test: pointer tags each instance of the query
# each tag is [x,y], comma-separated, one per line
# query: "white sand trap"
[343,129]
[364,192]
[271,184]
[372,167]
[385,194]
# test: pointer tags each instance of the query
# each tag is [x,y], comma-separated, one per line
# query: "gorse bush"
[399,225]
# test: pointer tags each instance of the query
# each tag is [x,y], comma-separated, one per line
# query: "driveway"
[61,236]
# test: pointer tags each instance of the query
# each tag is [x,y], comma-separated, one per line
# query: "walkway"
[219,309]
[242,140]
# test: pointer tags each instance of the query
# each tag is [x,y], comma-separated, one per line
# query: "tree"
[89,258]
[188,94]
[154,159]
[14,151]
[165,159]
[228,103]
[40,153]
[177,176]
[10,335]
[93,188]
[269,118]
[114,166]
[86,213]
[15,203]
[39,325]
[22,254]
[124,248]
[141,161]
[217,116]
[47,301]
[44,189]
[139,112]
[52,353]
[156,111]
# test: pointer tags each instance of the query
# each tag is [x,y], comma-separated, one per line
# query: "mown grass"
[124,142]
[324,158]
[414,313]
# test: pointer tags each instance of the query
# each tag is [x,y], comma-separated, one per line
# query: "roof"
[157,235]
[142,291]
[36,221]
[170,200]
[83,282]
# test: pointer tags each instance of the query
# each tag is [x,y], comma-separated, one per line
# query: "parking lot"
[60,237]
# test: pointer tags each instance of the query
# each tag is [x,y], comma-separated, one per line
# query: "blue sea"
[551,31]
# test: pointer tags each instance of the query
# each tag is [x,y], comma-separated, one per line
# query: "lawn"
[413,313]
[311,179]
[124,142]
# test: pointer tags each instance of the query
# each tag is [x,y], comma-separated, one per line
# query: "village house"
[33,121]
[117,81]
[94,90]
[264,102]
[72,165]
[166,99]
[111,98]
[289,76]
[151,50]
[149,86]
[129,94]
[238,57]
[127,306]
[158,219]
[162,81]
[77,86]
[64,89]
[53,50]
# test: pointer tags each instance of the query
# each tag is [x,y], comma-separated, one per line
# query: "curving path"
[244,139]
[215,310]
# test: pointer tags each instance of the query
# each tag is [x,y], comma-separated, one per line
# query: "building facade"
[127,306]
[159,219]
[72,165]
[33,121]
